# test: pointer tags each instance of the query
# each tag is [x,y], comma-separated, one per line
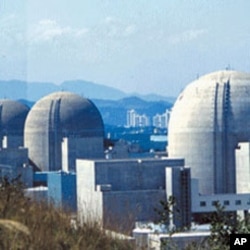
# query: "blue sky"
[134,45]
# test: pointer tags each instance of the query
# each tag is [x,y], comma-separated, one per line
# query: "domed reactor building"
[12,119]
[209,120]
[62,127]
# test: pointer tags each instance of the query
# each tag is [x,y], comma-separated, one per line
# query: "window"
[238,202]
[226,203]
[215,203]
[203,204]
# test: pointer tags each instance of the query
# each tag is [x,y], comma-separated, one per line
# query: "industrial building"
[209,128]
[13,157]
[208,121]
[62,127]
[122,191]
[12,119]
[58,187]
[62,138]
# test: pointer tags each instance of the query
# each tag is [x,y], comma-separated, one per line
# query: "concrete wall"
[12,141]
[178,185]
[89,200]
[243,168]
[134,174]
[15,157]
[37,193]
[206,203]
[123,209]
[118,190]
[177,240]
[15,163]
[40,179]
[210,117]
[62,190]
[80,148]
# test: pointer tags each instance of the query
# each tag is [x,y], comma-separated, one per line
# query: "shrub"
[25,224]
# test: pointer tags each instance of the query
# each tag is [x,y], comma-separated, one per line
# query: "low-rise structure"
[123,191]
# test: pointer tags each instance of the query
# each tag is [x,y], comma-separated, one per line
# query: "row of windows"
[225,203]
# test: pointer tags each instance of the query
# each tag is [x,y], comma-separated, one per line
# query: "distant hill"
[114,112]
[92,90]
[112,103]
[33,91]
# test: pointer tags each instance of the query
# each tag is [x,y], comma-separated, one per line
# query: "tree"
[223,224]
[165,212]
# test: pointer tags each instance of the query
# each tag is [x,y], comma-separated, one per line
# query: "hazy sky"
[135,45]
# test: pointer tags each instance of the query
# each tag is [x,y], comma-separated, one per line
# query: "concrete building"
[209,142]
[14,161]
[178,186]
[209,128]
[151,238]
[122,192]
[39,194]
[62,190]
[208,121]
[62,127]
[238,201]
[56,187]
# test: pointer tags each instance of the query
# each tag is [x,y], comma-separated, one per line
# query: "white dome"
[210,117]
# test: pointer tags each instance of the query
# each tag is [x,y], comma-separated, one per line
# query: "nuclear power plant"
[13,115]
[208,121]
[62,127]
[59,144]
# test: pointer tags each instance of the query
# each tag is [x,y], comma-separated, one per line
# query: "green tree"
[165,210]
[223,224]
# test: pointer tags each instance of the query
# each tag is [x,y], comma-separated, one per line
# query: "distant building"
[161,120]
[136,120]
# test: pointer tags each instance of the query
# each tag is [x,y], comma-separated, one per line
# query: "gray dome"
[12,117]
[210,117]
[63,125]
[69,112]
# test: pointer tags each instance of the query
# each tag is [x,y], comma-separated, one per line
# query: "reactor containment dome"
[209,118]
[62,127]
[12,119]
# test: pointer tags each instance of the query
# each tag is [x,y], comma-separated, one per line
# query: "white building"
[161,120]
[122,191]
[136,120]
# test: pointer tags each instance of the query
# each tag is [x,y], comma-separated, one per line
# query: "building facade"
[161,120]
[208,121]
[136,120]
[125,191]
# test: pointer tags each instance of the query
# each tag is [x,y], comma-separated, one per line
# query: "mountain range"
[112,103]
[33,91]
[115,112]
